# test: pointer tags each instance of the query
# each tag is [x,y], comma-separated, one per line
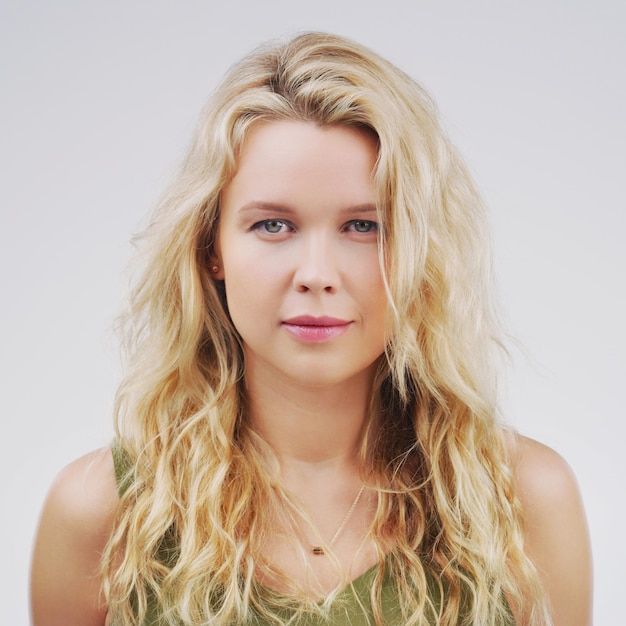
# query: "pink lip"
[310,328]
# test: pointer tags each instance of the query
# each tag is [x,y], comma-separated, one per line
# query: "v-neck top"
[351,607]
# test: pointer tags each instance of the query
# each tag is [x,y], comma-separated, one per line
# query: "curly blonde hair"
[192,520]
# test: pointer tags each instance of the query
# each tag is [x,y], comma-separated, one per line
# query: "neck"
[315,433]
[309,426]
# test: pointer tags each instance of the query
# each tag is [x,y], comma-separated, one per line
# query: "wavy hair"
[192,521]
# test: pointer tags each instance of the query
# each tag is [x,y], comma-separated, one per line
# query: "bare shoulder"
[541,474]
[556,534]
[74,527]
[83,497]
[86,487]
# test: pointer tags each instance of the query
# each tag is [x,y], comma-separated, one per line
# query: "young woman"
[307,432]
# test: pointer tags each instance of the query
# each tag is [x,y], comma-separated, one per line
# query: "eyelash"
[371,226]
[263,225]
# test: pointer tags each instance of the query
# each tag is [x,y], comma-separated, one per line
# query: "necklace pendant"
[318,550]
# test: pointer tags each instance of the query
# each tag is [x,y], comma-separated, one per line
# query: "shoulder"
[555,527]
[85,491]
[547,489]
[74,528]
[540,473]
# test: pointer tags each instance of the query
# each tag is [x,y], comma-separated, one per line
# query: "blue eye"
[270,226]
[273,226]
[364,226]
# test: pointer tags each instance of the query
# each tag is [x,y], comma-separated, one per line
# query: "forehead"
[304,161]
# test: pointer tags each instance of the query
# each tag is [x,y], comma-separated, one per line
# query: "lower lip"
[316,333]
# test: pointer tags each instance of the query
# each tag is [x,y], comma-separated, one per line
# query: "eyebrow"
[284,209]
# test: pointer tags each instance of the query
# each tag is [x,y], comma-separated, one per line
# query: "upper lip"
[311,320]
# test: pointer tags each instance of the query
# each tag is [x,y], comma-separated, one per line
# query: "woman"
[307,430]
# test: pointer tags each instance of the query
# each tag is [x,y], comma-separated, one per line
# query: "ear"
[216,269]
[214,256]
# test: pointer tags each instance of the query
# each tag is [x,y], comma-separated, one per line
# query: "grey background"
[98,102]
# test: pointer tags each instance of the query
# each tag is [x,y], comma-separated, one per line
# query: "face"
[297,247]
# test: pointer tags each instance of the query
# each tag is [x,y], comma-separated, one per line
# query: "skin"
[74,527]
[297,237]
[557,537]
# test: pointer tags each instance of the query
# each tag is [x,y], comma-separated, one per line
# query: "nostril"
[315,268]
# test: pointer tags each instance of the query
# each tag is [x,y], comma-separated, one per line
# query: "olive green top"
[351,607]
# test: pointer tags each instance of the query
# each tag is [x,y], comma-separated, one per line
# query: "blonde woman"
[307,431]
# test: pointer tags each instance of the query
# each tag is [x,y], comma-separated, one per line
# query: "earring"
[215,269]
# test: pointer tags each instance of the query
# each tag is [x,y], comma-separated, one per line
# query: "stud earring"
[215,269]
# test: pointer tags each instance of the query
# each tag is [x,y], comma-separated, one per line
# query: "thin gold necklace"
[319,550]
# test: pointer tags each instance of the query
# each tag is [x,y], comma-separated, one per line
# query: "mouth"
[314,329]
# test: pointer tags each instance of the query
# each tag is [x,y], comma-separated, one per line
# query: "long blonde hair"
[193,519]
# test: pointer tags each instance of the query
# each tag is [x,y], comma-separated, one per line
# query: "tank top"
[351,607]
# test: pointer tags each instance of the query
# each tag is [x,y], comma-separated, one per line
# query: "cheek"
[379,305]
[372,279]
[247,282]
[238,266]
[248,268]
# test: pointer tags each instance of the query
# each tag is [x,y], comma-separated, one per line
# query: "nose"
[316,266]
